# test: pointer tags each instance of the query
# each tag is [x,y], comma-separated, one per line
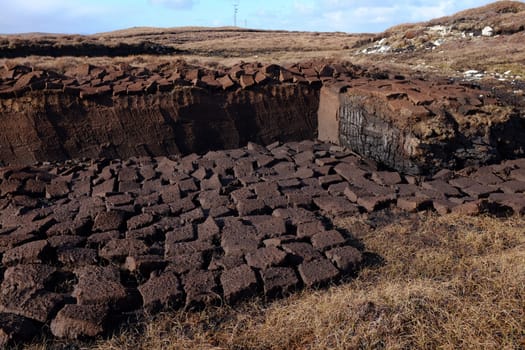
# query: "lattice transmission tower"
[236,4]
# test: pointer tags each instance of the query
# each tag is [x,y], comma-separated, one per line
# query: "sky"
[95,16]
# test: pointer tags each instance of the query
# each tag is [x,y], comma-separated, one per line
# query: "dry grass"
[228,45]
[230,48]
[446,283]
[224,46]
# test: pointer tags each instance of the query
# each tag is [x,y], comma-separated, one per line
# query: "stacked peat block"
[419,126]
[100,237]
[86,241]
[89,81]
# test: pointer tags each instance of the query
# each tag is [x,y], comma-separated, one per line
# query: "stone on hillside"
[226,82]
[317,272]
[246,81]
[109,221]
[279,281]
[263,258]
[201,288]
[487,31]
[346,258]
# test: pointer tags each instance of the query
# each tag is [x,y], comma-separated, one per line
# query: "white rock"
[487,31]
[471,72]
[438,42]
[441,30]
[377,49]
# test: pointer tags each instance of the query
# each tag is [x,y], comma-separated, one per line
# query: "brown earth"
[130,222]
[116,113]
[418,126]
[124,111]
[83,244]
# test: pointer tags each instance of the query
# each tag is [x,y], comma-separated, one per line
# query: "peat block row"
[88,81]
[84,243]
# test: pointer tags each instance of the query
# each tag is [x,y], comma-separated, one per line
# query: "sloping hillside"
[489,38]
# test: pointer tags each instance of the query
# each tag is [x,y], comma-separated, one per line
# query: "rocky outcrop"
[503,18]
[418,126]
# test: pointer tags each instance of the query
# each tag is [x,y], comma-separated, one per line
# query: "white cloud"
[375,15]
[175,4]
[335,18]
[39,6]
[57,16]
[304,8]
[64,7]
[315,15]
[420,13]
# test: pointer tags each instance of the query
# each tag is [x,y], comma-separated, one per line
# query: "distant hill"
[488,38]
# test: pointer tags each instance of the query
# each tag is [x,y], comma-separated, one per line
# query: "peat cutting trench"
[413,125]
[126,189]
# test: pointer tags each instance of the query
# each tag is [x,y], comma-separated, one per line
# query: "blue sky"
[93,16]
